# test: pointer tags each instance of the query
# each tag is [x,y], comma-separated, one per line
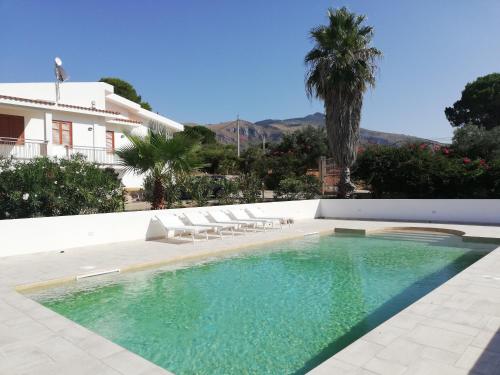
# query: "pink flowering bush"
[423,171]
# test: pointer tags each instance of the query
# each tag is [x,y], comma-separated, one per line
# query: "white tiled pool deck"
[453,330]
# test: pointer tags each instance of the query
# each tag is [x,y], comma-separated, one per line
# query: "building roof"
[55,105]
[74,99]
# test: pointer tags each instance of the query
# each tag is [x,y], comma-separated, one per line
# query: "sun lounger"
[257,213]
[240,214]
[223,218]
[198,219]
[172,223]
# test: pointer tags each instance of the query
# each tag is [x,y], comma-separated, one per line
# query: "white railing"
[94,154]
[22,149]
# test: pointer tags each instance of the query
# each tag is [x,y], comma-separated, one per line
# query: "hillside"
[274,130]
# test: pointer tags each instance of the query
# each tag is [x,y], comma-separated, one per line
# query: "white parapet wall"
[470,211]
[26,236]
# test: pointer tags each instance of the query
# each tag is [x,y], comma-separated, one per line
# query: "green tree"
[479,104]
[204,134]
[341,66]
[125,89]
[307,145]
[158,156]
[477,142]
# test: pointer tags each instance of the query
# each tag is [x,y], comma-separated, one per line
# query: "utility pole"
[238,127]
[264,142]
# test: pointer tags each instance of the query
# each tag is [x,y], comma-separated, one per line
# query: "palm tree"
[341,66]
[161,157]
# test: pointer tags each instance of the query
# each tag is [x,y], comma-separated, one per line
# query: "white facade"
[88,119]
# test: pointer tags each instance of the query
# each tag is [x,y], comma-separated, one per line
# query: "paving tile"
[20,362]
[450,326]
[439,355]
[384,335]
[440,338]
[406,320]
[334,366]
[359,352]
[452,315]
[98,346]
[401,351]
[434,368]
[128,363]
[383,367]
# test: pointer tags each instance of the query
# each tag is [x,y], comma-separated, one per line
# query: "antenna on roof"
[61,75]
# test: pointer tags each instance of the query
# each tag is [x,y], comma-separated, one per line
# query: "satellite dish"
[61,74]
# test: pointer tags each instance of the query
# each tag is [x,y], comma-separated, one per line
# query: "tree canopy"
[479,104]
[125,89]
[204,134]
[160,157]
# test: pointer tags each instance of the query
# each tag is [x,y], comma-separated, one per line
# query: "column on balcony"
[48,134]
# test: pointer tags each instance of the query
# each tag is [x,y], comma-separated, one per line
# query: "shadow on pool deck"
[408,296]
[489,361]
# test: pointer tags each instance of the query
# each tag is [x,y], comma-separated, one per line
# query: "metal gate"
[329,175]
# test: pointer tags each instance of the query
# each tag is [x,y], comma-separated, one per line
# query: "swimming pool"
[279,309]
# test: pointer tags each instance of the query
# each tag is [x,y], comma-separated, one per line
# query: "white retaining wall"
[480,211]
[25,236]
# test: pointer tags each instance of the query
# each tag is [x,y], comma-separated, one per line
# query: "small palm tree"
[341,66]
[161,157]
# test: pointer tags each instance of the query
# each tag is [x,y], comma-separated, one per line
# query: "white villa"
[89,119]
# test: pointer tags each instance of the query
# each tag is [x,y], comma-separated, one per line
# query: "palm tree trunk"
[158,195]
[342,124]
[346,187]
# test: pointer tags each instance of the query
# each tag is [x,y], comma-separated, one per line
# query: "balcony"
[29,149]
[22,149]
[94,154]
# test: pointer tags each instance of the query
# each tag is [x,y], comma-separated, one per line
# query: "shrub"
[173,188]
[200,189]
[421,171]
[251,188]
[289,189]
[228,191]
[311,187]
[293,188]
[46,187]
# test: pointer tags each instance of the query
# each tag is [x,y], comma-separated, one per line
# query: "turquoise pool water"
[282,309]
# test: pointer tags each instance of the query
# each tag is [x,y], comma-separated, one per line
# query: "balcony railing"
[28,149]
[22,149]
[94,154]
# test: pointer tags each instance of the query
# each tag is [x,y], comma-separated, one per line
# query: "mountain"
[274,130]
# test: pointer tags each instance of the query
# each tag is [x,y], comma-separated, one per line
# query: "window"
[110,141]
[12,128]
[62,133]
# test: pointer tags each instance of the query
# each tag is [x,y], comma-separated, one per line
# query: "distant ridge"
[274,130]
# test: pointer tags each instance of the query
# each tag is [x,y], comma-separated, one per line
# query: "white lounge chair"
[172,223]
[257,213]
[223,218]
[198,219]
[240,214]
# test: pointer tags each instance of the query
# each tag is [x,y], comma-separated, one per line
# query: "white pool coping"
[452,330]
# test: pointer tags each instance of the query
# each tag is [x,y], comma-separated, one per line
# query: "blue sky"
[205,61]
